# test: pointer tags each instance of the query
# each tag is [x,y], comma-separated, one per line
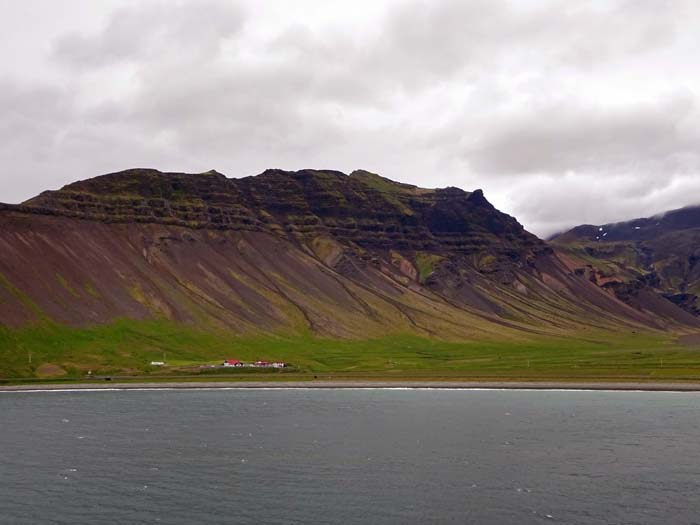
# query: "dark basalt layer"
[362,208]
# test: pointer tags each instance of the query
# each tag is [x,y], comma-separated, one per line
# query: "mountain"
[312,253]
[660,253]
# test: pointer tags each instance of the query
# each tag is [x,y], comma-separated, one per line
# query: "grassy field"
[127,348]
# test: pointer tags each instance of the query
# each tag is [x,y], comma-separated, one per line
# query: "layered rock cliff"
[361,208]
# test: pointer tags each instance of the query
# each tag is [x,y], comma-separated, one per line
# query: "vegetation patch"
[23,298]
[91,290]
[66,285]
[328,250]
[425,263]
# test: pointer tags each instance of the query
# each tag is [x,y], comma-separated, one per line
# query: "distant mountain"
[661,253]
[311,252]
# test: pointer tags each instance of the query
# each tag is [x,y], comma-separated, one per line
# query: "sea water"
[349,456]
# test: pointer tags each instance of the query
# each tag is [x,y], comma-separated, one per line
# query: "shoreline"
[331,385]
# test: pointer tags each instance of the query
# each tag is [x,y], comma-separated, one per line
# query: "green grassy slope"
[127,347]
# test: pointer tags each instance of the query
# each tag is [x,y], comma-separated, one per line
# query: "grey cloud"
[419,44]
[426,41]
[152,32]
[33,118]
[651,138]
[553,204]
[415,45]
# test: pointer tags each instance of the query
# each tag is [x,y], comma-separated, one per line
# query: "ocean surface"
[349,456]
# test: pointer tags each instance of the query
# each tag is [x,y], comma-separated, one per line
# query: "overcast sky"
[564,112]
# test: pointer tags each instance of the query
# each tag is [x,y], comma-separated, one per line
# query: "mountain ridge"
[317,252]
[639,228]
[659,253]
[375,213]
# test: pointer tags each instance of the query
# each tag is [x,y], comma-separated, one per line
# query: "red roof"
[232,362]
